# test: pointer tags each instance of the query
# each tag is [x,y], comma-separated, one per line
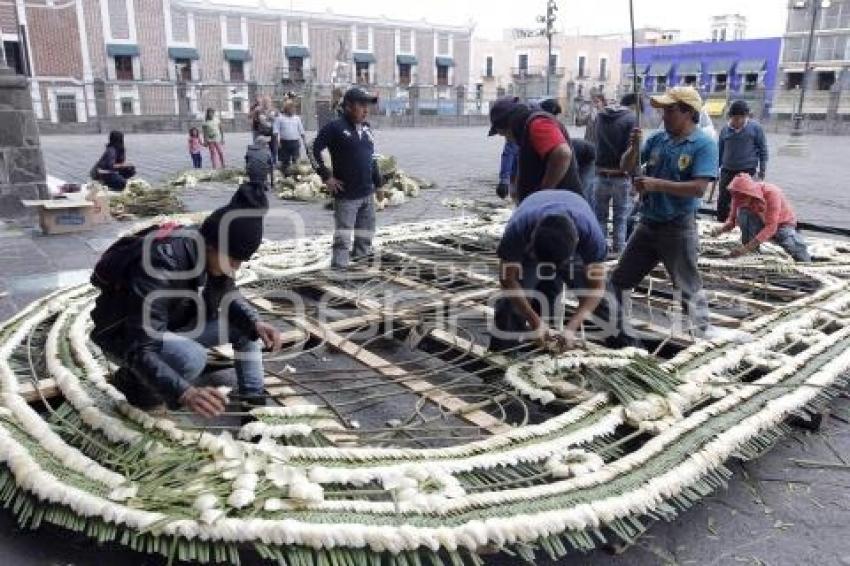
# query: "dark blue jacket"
[508,166]
[352,158]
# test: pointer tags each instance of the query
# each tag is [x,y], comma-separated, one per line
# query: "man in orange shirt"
[763,213]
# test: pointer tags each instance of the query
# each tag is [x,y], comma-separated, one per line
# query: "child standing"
[195,145]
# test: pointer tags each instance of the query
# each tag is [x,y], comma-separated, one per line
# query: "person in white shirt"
[289,133]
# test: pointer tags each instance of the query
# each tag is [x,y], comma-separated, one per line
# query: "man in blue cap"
[354,176]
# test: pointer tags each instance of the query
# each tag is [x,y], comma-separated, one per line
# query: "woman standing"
[289,133]
[214,139]
[112,168]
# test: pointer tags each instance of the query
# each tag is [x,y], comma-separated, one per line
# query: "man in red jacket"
[763,213]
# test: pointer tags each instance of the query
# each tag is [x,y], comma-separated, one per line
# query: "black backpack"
[112,270]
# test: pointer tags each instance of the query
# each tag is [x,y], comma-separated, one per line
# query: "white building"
[728,27]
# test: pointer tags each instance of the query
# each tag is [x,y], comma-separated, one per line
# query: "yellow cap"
[684,94]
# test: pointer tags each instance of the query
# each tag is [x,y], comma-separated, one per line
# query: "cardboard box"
[64,216]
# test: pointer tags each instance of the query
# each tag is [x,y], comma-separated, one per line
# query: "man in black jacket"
[354,178]
[169,294]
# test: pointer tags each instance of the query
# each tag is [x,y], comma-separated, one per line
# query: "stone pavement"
[773,512]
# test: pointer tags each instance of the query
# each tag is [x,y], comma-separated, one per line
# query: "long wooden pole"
[635,87]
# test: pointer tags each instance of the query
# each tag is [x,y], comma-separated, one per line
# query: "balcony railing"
[297,75]
[521,72]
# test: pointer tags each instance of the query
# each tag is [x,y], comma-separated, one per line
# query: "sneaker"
[728,335]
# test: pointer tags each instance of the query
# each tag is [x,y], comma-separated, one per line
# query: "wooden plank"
[420,386]
[47,388]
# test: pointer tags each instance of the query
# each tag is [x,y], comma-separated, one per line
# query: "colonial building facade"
[90,58]
[829,77]
[519,64]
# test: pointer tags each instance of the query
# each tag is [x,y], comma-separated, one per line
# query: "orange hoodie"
[765,200]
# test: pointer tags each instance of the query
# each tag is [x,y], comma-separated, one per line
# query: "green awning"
[406,60]
[237,54]
[445,61]
[750,66]
[297,51]
[183,53]
[721,67]
[122,49]
[660,69]
[689,68]
[364,57]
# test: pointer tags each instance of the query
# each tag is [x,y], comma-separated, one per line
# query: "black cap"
[500,113]
[357,94]
[244,229]
[739,108]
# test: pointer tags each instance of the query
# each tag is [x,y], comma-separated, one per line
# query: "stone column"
[22,172]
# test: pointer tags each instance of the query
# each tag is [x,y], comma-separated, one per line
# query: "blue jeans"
[355,216]
[616,190]
[588,185]
[187,354]
[786,235]
[197,160]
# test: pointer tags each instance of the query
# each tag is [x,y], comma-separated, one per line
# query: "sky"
[765,18]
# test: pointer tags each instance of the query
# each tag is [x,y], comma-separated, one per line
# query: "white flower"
[246,481]
[210,516]
[573,463]
[306,491]
[241,498]
[205,501]
[273,504]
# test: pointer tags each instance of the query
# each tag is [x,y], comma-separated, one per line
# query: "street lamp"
[549,31]
[796,144]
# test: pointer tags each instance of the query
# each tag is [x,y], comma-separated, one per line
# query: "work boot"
[138,393]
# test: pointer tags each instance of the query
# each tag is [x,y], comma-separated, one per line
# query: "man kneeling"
[763,213]
[158,310]
[551,238]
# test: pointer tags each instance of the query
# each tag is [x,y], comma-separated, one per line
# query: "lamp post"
[549,31]
[796,144]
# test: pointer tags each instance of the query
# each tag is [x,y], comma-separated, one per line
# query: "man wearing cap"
[167,294]
[546,159]
[763,213]
[354,177]
[680,162]
[742,146]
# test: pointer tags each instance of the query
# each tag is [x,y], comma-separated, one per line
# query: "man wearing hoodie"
[613,185]
[742,146]
[763,213]
[167,294]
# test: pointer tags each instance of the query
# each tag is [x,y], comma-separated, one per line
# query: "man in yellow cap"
[680,161]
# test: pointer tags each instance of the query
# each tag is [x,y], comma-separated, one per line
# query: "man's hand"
[552,340]
[715,232]
[502,190]
[272,339]
[208,402]
[739,251]
[645,185]
[334,185]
